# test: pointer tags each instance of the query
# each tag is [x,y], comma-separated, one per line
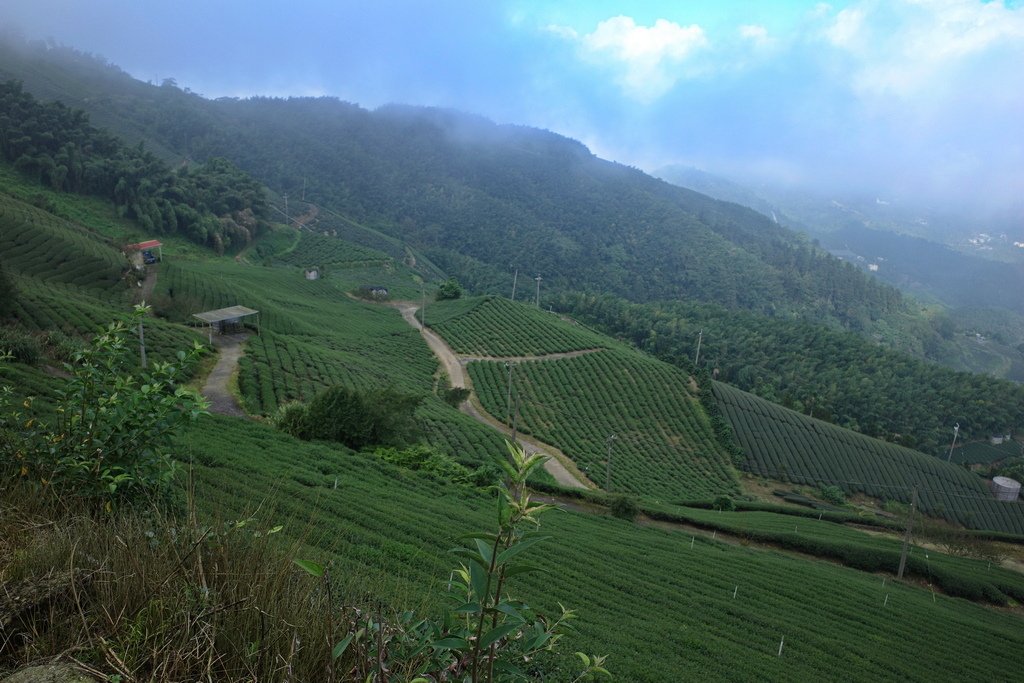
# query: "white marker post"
[781,642]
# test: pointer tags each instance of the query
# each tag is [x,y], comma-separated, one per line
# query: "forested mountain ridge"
[483,198]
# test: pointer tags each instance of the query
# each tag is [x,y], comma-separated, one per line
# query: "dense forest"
[512,196]
[478,197]
[212,203]
[822,372]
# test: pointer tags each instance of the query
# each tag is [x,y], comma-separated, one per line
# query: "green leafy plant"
[624,507]
[110,440]
[833,494]
[355,418]
[449,289]
[455,396]
[723,503]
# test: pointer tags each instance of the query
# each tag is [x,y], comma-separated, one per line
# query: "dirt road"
[449,360]
[216,387]
[559,465]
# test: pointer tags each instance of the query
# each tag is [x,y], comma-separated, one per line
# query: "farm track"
[559,465]
[145,293]
[215,389]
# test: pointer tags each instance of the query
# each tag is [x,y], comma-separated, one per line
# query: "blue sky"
[905,99]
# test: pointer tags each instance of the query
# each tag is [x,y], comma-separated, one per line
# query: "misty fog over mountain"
[910,102]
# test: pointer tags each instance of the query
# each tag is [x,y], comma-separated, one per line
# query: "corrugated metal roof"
[229,313]
[149,244]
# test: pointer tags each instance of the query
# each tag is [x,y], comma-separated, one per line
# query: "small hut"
[148,245]
[226,320]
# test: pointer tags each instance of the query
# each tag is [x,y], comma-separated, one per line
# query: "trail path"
[145,292]
[559,465]
[216,387]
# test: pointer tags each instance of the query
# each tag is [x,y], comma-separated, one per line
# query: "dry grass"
[141,596]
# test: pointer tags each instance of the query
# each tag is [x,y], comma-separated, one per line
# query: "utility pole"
[508,398]
[956,432]
[906,536]
[423,310]
[515,278]
[303,188]
[287,221]
[700,338]
[515,421]
[142,346]
[608,464]
[538,279]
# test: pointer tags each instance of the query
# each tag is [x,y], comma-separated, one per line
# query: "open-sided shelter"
[224,318]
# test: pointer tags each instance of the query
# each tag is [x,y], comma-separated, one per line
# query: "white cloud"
[906,47]
[647,60]
[566,32]
[847,27]
[756,34]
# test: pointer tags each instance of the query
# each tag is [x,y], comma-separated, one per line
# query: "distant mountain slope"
[905,248]
[919,266]
[464,188]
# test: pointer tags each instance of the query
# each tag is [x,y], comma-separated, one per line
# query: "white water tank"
[1005,489]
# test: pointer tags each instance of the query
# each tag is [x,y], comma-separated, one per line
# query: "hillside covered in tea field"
[696,575]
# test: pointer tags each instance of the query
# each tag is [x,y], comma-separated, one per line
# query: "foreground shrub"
[357,419]
[111,439]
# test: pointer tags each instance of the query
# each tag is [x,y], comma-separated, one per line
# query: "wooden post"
[142,346]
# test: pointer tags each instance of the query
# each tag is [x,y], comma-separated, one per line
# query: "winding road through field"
[559,465]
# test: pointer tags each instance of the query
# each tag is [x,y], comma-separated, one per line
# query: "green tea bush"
[833,494]
[22,346]
[291,418]
[723,503]
[624,507]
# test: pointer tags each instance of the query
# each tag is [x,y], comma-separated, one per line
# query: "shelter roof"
[229,313]
[148,244]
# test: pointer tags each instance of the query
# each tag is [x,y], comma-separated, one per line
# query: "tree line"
[213,203]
